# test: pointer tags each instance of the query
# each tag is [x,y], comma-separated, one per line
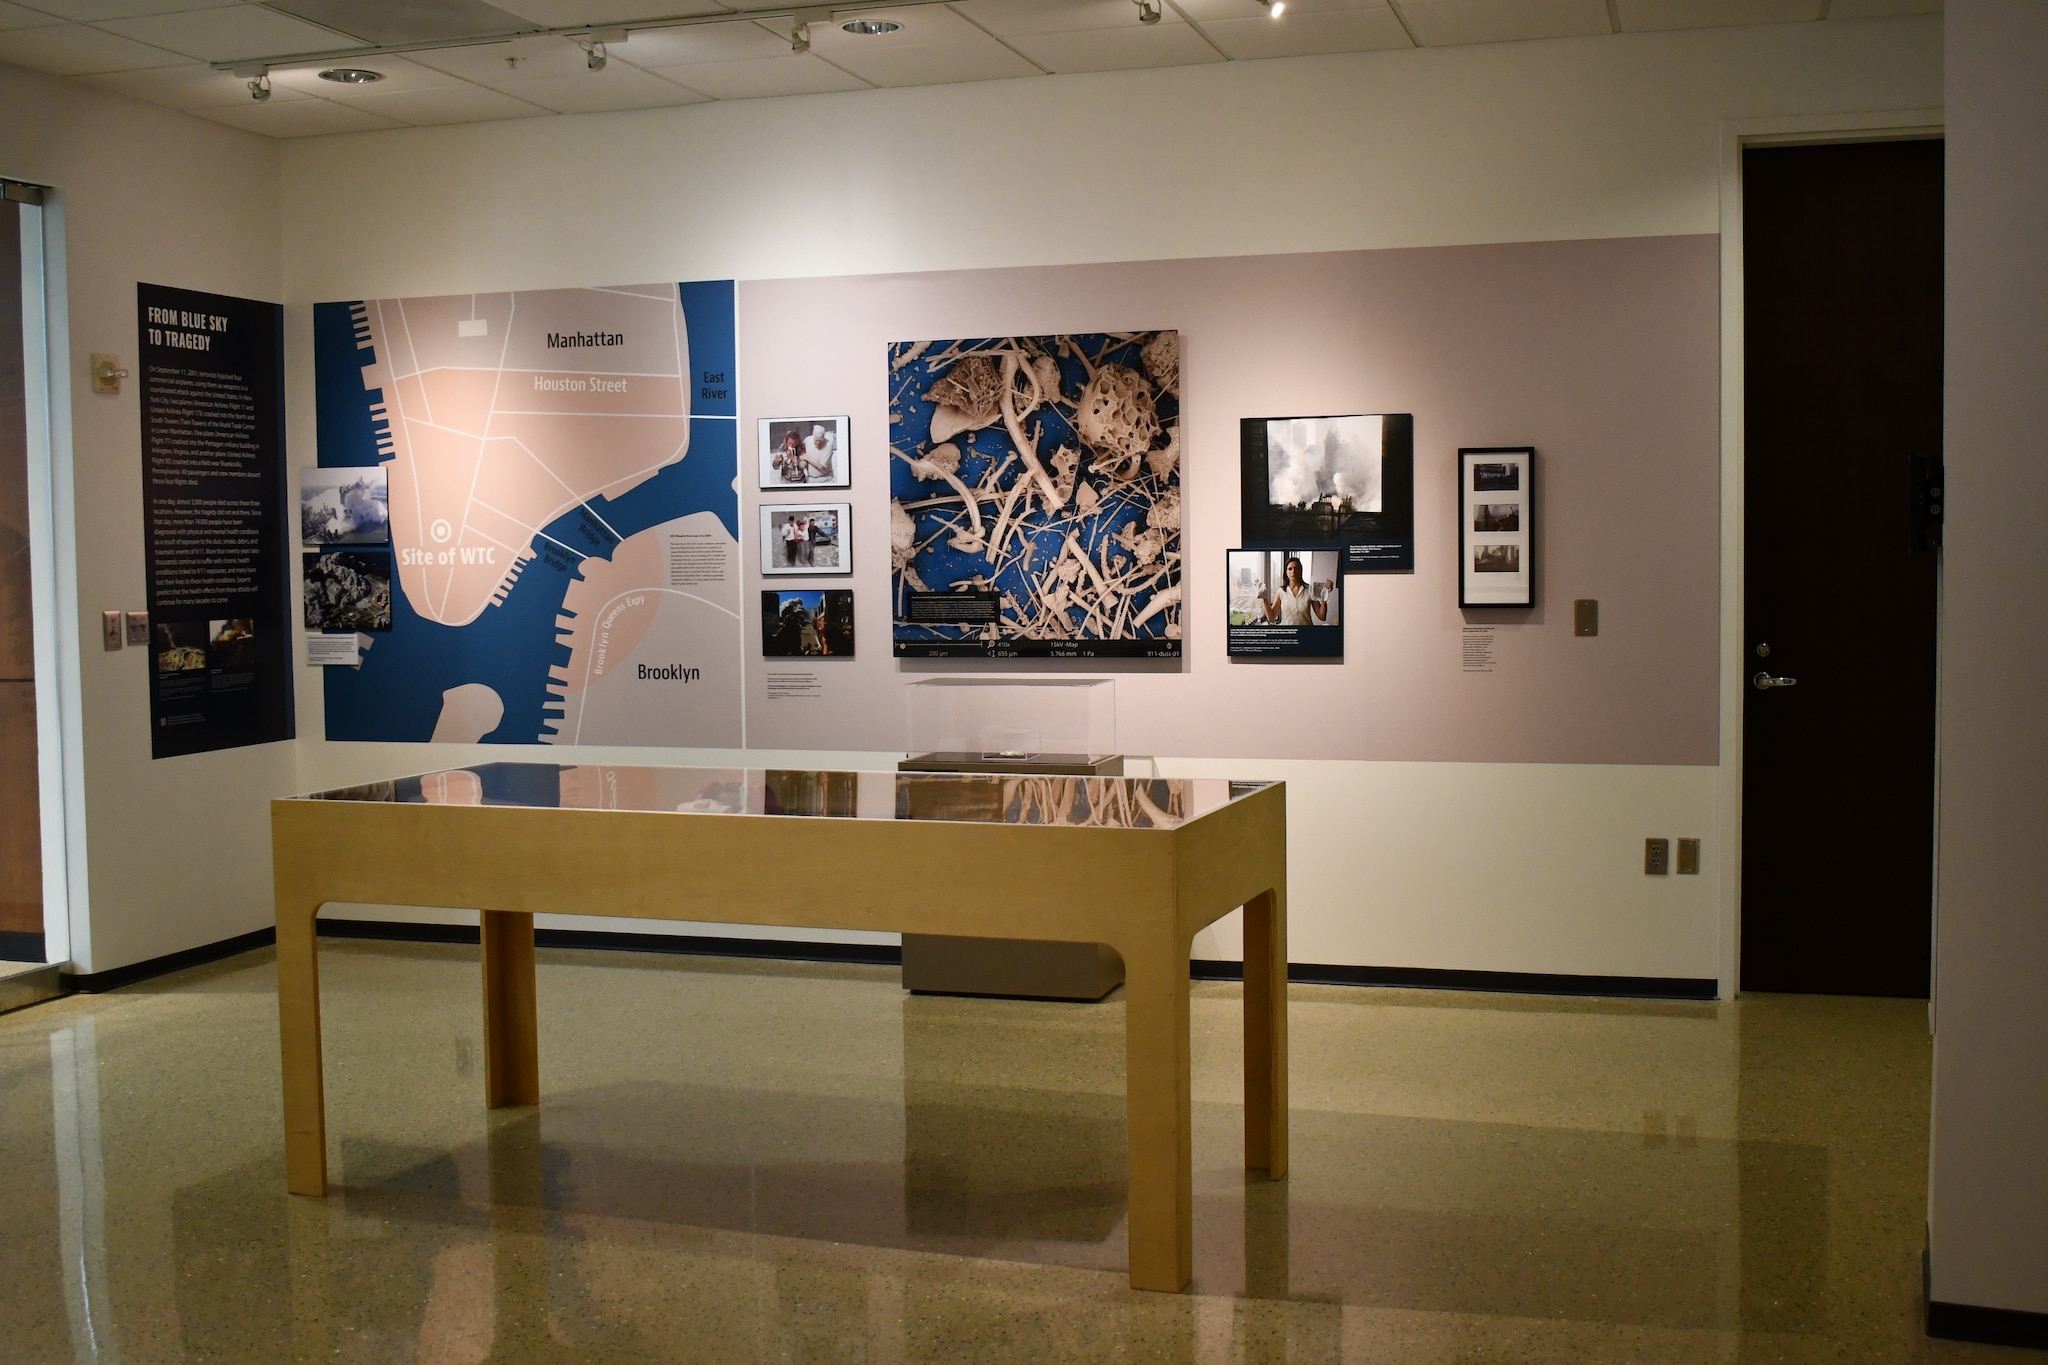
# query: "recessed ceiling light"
[351,75]
[870,28]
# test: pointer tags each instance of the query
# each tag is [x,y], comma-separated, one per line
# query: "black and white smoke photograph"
[344,506]
[1497,516]
[348,590]
[1347,480]
[1496,478]
[1496,559]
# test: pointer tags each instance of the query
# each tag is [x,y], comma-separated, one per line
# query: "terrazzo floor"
[742,1161]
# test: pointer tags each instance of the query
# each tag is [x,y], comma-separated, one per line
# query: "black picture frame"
[1382,541]
[1496,540]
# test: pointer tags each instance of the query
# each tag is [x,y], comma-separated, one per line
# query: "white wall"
[1478,865]
[1988,1184]
[177,850]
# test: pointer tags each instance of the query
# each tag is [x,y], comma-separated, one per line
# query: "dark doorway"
[1842,373]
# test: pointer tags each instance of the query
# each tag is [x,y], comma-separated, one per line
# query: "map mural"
[560,469]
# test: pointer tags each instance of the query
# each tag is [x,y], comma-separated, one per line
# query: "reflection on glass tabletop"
[1107,802]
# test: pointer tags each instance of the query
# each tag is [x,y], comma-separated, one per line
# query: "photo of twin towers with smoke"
[1347,482]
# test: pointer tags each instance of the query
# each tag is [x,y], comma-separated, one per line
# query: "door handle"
[1764,682]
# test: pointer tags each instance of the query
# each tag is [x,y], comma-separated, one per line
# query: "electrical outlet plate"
[1656,857]
[138,628]
[1688,857]
[1586,616]
[110,630]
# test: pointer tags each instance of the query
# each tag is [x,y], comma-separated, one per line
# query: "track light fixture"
[594,56]
[259,88]
[1274,8]
[1148,11]
[800,38]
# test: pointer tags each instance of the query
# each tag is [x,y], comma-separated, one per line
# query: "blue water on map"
[396,694]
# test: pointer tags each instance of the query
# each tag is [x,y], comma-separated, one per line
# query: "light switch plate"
[1586,616]
[138,628]
[110,630]
[1656,857]
[1688,857]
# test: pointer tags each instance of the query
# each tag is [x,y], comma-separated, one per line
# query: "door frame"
[1736,135]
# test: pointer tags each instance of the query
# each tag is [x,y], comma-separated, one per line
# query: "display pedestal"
[1013,968]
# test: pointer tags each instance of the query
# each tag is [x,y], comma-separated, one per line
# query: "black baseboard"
[16,946]
[1451,979]
[689,945]
[888,955]
[91,982]
[1985,1326]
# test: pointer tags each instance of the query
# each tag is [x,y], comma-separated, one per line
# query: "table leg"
[1162,1229]
[511,1030]
[298,1028]
[1265,1033]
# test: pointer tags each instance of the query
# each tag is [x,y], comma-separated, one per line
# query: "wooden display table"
[1139,865]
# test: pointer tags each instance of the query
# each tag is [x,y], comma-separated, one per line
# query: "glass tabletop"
[1106,802]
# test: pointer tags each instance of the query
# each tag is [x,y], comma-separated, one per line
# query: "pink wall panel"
[1602,354]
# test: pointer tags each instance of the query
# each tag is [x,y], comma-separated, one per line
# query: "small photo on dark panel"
[180,646]
[807,623]
[231,643]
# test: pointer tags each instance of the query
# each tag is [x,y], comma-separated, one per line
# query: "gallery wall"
[1988,1187]
[165,855]
[1602,354]
[1523,143]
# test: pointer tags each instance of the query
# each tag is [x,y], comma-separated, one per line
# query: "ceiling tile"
[391,22]
[450,104]
[1873,9]
[1445,23]
[1007,18]
[933,45]
[14,16]
[229,35]
[300,118]
[662,47]
[1118,49]
[74,50]
[1203,11]
[486,63]
[93,11]
[187,87]
[616,87]
[1641,16]
[1302,35]
[788,74]
[398,73]
[562,13]
[937,64]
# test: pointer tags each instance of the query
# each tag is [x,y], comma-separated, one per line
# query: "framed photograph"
[348,590]
[807,538]
[1344,481]
[1053,532]
[1497,526]
[343,506]
[804,452]
[1286,603]
[806,623]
